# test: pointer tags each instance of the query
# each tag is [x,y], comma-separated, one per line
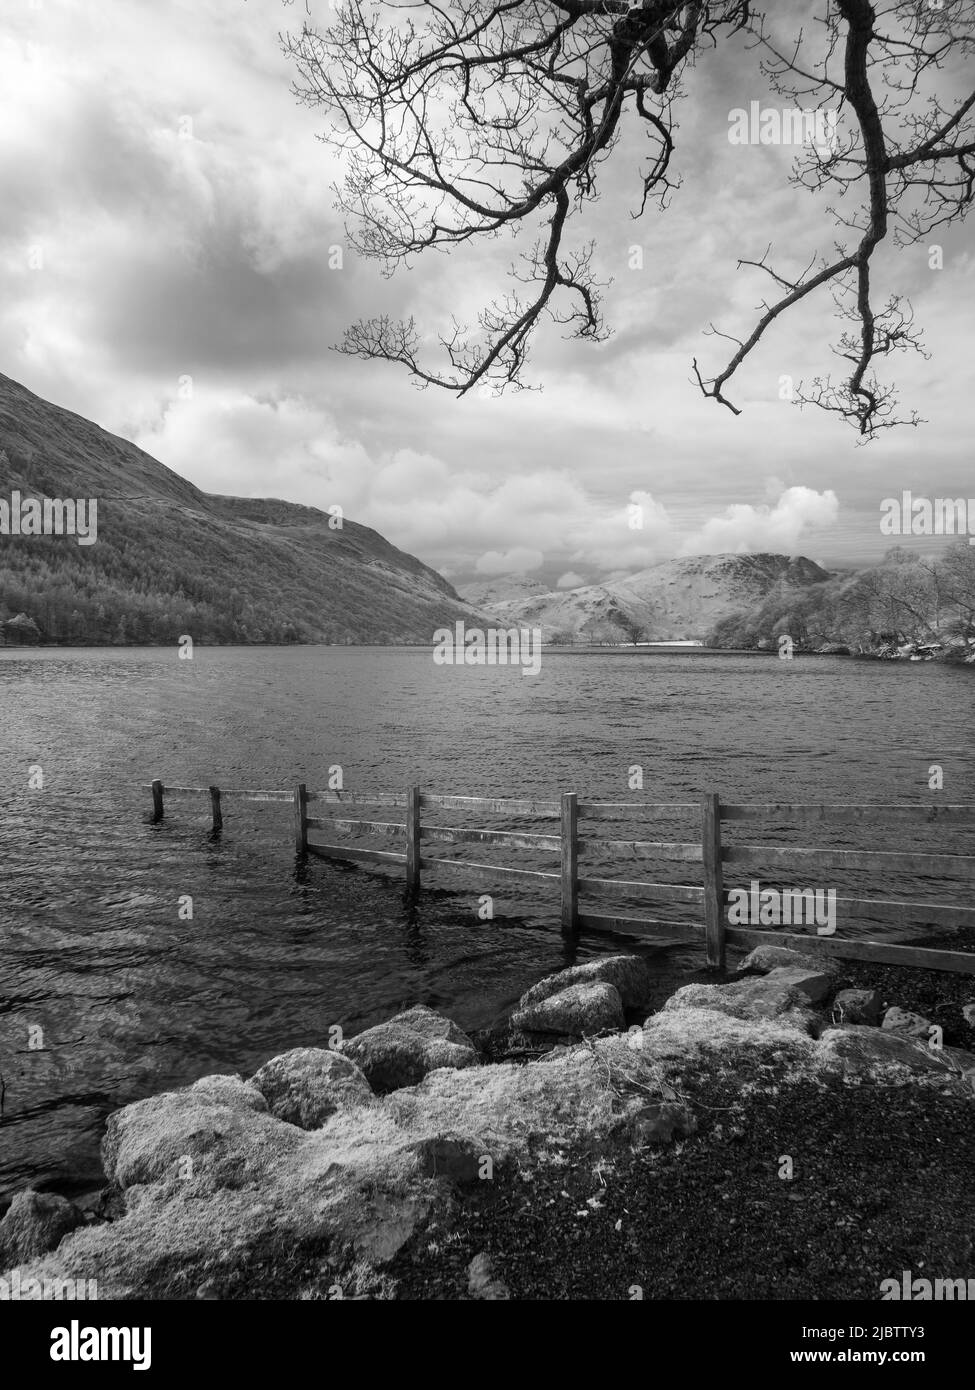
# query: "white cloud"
[779,528]
[517,561]
[634,535]
[229,442]
[570,580]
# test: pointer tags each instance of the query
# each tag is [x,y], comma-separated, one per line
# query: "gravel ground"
[936,995]
[882,1182]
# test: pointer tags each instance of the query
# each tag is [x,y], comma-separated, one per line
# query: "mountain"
[672,601]
[908,600]
[170,559]
[486,594]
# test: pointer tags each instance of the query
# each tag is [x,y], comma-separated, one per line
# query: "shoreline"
[406,1165]
[549,649]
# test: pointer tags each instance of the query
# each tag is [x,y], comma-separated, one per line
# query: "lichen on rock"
[35,1223]
[308,1084]
[577,1011]
[402,1051]
[629,975]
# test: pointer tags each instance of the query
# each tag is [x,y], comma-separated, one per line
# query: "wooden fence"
[709,851]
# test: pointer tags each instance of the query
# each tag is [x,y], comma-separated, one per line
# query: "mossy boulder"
[770,957]
[35,1223]
[308,1084]
[861,1053]
[396,1054]
[781,991]
[581,1010]
[429,1024]
[629,975]
[193,1137]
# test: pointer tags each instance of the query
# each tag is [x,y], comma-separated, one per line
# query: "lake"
[109,991]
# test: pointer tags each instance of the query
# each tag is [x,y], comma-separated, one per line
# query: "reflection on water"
[109,992]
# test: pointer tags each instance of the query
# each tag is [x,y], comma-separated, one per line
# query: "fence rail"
[338,812]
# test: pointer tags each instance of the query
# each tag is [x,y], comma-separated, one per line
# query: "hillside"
[170,559]
[671,601]
[907,600]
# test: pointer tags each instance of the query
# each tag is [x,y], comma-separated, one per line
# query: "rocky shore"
[954,650]
[789,1131]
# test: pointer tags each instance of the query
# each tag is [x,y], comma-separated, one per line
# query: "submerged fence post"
[301,819]
[412,839]
[157,800]
[713,880]
[570,862]
[215,808]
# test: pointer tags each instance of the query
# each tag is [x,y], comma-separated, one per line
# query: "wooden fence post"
[570,862]
[713,880]
[215,808]
[412,840]
[301,819]
[157,800]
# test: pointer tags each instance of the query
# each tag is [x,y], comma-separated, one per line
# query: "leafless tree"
[463,119]
[955,577]
[904,595]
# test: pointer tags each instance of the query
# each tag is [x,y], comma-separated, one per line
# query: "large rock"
[903,1021]
[308,1084]
[862,1053]
[392,1055]
[429,1024]
[771,957]
[781,991]
[189,1137]
[629,975]
[232,1091]
[857,1006]
[35,1223]
[579,1011]
[968,1013]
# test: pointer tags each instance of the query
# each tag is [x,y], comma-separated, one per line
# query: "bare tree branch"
[464,119]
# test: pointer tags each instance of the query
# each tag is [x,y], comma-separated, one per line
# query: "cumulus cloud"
[228,441]
[779,527]
[231,441]
[517,561]
[638,533]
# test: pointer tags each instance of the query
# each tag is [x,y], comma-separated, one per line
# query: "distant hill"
[170,559]
[907,599]
[675,600]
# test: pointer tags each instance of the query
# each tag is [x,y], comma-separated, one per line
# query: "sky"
[168,269]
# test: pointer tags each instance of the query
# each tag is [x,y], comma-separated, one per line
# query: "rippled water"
[106,994]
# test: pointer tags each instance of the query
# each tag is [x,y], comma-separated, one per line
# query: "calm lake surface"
[107,994]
